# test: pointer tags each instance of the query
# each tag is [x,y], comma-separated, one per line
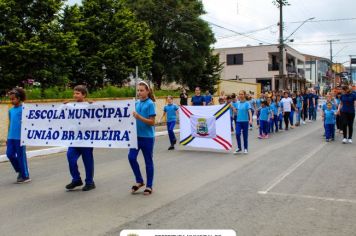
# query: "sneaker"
[303,123]
[333,139]
[260,136]
[74,184]
[350,140]
[344,140]
[89,187]
[266,136]
[23,180]
[237,151]
[245,151]
[18,177]
[327,140]
[250,128]
[171,148]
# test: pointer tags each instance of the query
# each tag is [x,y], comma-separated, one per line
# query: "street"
[291,184]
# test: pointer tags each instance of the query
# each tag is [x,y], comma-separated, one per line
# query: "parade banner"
[205,127]
[108,124]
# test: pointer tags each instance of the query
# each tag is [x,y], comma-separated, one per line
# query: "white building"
[260,64]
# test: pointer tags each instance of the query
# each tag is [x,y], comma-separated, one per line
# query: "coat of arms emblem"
[202,127]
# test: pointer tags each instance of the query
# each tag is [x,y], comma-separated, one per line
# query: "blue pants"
[242,127]
[263,127]
[252,113]
[291,118]
[73,155]
[280,120]
[274,123]
[17,156]
[314,112]
[311,112]
[329,131]
[170,128]
[258,117]
[299,115]
[146,146]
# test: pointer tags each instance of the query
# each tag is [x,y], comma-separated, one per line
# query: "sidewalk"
[41,151]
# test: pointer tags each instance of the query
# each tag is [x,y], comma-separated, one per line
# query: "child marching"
[14,151]
[145,115]
[73,154]
[171,111]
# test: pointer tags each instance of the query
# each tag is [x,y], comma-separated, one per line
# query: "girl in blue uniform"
[170,110]
[14,151]
[73,153]
[145,115]
[274,116]
[243,119]
[329,117]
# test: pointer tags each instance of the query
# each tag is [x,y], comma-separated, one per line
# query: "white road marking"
[291,169]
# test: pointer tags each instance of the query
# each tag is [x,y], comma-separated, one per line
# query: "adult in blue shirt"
[243,119]
[208,98]
[347,111]
[311,105]
[197,99]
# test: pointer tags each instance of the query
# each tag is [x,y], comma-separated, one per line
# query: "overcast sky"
[244,16]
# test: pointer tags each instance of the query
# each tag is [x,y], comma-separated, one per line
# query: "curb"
[49,151]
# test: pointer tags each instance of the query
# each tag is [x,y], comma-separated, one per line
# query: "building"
[352,73]
[317,70]
[260,64]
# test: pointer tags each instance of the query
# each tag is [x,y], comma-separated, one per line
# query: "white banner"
[108,124]
[205,127]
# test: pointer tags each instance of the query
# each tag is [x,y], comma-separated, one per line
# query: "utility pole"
[280,4]
[331,59]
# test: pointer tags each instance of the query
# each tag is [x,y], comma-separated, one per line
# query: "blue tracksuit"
[73,155]
[14,151]
[145,142]
[170,110]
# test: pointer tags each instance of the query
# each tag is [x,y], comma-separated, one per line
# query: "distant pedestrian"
[170,111]
[183,98]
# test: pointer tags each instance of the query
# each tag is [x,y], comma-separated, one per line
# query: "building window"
[235,59]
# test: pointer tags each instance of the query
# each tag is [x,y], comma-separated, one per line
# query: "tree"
[111,42]
[182,39]
[32,43]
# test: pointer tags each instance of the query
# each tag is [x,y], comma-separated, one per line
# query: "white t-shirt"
[287,104]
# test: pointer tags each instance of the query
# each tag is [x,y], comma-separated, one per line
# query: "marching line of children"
[270,111]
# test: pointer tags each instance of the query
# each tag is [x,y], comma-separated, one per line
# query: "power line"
[326,20]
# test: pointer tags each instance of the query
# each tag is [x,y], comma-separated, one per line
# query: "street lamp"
[281,46]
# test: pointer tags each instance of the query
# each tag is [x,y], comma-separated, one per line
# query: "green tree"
[182,39]
[33,45]
[111,42]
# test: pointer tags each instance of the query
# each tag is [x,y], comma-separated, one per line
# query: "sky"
[251,22]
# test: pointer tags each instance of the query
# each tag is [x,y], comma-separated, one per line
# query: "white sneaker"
[344,140]
[245,152]
[350,140]
[303,122]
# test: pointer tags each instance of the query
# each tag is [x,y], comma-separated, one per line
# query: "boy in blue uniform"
[329,117]
[170,110]
[145,116]
[14,151]
[73,154]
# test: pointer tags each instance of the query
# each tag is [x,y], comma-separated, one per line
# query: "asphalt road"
[291,184]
